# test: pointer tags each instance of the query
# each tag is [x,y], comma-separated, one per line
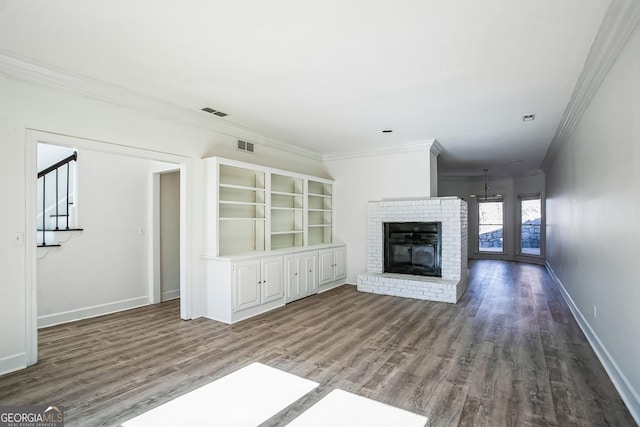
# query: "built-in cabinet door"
[326,266]
[340,263]
[333,263]
[301,273]
[291,271]
[246,277]
[310,273]
[272,279]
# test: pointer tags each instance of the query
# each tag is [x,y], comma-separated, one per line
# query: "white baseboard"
[627,393]
[13,363]
[88,312]
[329,286]
[169,295]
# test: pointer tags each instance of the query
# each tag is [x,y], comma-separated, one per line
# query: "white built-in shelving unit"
[287,211]
[269,238]
[319,212]
[241,210]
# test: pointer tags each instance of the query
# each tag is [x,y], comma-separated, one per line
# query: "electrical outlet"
[595,311]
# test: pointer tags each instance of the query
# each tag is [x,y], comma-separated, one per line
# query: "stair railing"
[43,174]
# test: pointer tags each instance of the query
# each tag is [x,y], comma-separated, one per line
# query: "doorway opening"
[530,224]
[108,202]
[166,252]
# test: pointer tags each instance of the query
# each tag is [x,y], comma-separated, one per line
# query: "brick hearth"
[452,212]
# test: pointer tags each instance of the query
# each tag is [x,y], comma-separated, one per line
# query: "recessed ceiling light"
[387,131]
[528,117]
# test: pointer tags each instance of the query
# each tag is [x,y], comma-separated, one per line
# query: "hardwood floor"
[509,353]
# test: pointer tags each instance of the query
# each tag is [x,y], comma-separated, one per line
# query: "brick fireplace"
[451,213]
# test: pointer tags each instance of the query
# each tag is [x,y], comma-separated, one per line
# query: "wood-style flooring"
[508,354]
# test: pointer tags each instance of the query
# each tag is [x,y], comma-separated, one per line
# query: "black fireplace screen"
[412,248]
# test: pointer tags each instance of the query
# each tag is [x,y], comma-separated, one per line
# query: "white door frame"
[182,163]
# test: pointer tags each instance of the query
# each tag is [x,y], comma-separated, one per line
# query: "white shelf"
[228,218]
[275,233]
[277,208]
[231,202]
[320,195]
[241,187]
[319,225]
[284,193]
[319,210]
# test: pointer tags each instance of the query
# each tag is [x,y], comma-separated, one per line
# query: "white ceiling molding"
[30,71]
[621,19]
[436,148]
[386,150]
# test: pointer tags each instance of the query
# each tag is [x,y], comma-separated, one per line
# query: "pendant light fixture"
[486,185]
[485,190]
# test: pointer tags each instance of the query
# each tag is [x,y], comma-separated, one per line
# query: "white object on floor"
[246,397]
[341,408]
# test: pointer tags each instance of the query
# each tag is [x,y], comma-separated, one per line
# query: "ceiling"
[330,75]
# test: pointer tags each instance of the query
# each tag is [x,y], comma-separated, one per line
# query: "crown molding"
[382,151]
[621,18]
[436,148]
[33,72]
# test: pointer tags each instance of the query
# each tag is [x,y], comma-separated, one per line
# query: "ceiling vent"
[212,111]
[528,117]
[245,146]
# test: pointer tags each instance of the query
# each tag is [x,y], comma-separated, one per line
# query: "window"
[530,224]
[491,225]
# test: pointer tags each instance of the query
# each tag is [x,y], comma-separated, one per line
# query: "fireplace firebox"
[413,248]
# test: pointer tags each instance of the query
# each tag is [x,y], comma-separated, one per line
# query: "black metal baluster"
[57,201]
[44,192]
[68,166]
[43,174]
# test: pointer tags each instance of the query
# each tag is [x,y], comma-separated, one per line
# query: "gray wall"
[593,207]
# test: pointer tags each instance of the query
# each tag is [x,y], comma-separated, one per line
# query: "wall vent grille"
[245,146]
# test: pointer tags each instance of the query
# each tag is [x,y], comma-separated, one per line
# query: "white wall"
[103,268]
[370,178]
[593,208]
[50,154]
[24,106]
[510,188]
